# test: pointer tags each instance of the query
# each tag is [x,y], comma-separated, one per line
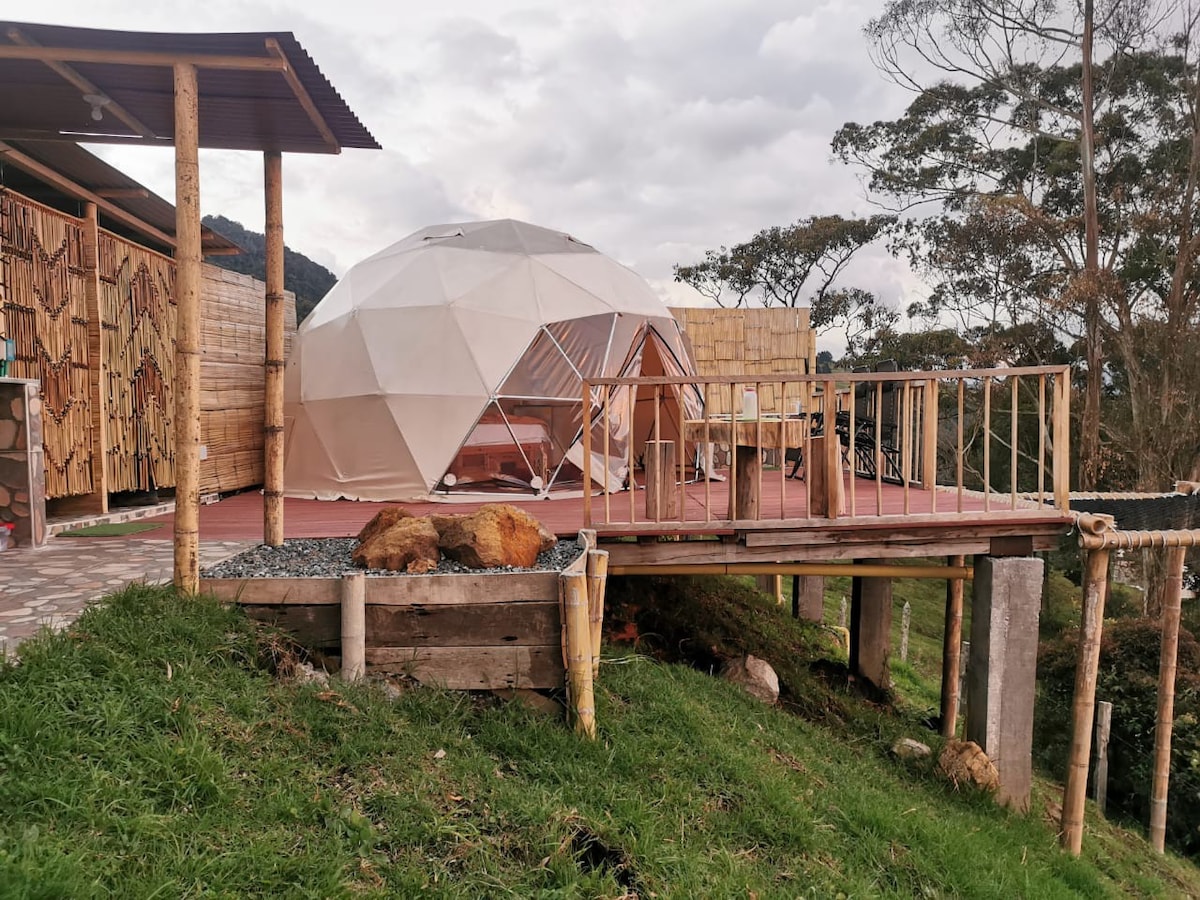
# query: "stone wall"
[22,468]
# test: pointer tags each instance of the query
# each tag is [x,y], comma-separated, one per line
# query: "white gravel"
[330,558]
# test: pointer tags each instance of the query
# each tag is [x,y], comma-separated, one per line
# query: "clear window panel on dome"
[585,341]
[501,453]
[543,372]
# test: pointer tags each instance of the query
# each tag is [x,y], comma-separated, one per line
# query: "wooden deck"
[879,531]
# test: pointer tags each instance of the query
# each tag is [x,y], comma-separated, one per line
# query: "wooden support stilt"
[274,356]
[354,626]
[1095,588]
[1172,593]
[597,581]
[187,331]
[951,644]
[580,691]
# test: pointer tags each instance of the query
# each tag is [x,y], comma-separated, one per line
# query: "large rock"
[755,676]
[493,536]
[409,545]
[382,521]
[907,748]
[964,762]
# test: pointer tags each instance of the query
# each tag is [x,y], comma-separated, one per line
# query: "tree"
[1043,218]
[797,264]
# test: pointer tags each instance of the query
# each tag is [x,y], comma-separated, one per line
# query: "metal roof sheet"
[279,99]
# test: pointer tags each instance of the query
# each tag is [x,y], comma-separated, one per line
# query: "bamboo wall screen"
[43,308]
[137,306]
[770,341]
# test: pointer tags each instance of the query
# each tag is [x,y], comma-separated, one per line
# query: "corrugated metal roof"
[239,109]
[94,175]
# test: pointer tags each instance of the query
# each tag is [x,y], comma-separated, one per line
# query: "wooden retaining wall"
[463,632]
[93,317]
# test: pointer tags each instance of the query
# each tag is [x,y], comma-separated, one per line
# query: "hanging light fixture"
[97,102]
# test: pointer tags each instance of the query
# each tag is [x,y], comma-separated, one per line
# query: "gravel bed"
[330,558]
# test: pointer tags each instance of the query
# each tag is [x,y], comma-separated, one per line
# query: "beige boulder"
[382,521]
[409,545]
[755,676]
[493,536]
[965,763]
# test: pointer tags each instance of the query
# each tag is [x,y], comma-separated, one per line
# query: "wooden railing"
[946,444]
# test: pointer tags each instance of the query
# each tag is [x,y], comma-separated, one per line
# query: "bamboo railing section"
[868,445]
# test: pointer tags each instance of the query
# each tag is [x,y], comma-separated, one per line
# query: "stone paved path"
[51,585]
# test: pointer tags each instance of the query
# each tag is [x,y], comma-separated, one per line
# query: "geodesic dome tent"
[453,361]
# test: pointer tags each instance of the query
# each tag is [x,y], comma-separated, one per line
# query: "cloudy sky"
[652,129]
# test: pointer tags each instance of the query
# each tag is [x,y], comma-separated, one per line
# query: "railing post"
[1061,437]
[587,455]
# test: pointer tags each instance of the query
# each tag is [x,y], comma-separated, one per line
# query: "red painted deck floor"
[240,517]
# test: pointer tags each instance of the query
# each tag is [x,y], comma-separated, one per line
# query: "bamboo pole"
[929,444]
[1095,587]
[274,357]
[95,358]
[597,580]
[587,456]
[1168,655]
[187,332]
[1060,431]
[951,645]
[354,626]
[580,691]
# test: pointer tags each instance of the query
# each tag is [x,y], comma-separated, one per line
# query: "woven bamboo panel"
[137,305]
[767,342]
[232,342]
[43,307]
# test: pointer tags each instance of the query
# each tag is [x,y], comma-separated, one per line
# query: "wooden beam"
[84,86]
[187,331]
[121,193]
[828,570]
[274,356]
[152,58]
[71,189]
[302,96]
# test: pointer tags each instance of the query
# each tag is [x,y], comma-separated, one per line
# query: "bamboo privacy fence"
[44,276]
[45,313]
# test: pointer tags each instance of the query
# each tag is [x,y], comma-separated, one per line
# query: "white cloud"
[652,130]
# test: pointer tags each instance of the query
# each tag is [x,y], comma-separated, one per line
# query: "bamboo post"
[597,581]
[1060,434]
[587,456]
[274,356]
[1095,587]
[187,331]
[905,622]
[1103,730]
[661,496]
[95,357]
[574,603]
[1172,593]
[354,626]
[929,443]
[951,641]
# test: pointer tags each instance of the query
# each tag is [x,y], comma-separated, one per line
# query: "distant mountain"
[308,280]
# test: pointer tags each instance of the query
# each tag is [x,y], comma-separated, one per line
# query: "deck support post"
[951,645]
[354,626]
[808,597]
[871,629]
[187,331]
[1002,670]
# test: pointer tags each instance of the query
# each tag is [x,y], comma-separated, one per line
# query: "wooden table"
[749,437]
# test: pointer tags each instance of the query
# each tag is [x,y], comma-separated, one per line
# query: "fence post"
[905,620]
[354,626]
[1103,729]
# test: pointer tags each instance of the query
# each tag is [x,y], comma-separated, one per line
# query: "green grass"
[150,752]
[112,529]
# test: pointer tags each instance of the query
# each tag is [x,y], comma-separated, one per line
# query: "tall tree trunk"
[1089,449]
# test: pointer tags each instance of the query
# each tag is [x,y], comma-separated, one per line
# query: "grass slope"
[150,752]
